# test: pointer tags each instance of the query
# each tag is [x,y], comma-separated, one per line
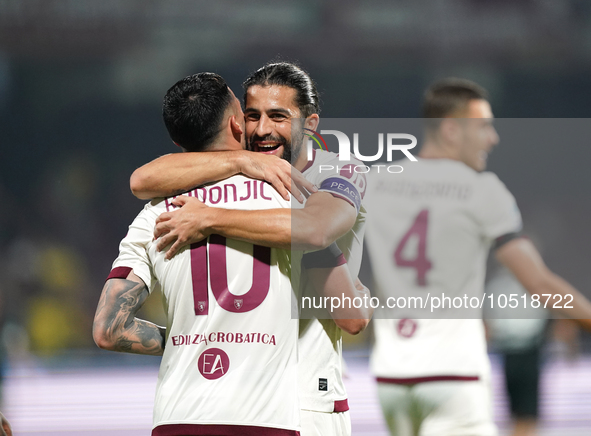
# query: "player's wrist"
[212,221]
[239,161]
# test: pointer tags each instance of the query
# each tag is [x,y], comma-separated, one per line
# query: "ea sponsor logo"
[406,327]
[213,363]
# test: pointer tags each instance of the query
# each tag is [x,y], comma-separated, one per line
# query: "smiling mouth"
[266,147]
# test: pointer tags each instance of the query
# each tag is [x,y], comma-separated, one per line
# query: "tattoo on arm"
[120,301]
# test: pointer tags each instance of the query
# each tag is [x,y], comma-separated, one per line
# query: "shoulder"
[140,232]
[490,184]
[323,157]
[495,206]
[152,210]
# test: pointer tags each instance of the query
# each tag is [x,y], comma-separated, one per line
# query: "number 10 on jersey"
[214,272]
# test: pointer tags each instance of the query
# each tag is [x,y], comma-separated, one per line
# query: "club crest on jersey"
[201,305]
[238,302]
[406,327]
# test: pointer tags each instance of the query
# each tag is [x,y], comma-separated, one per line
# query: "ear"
[235,128]
[312,122]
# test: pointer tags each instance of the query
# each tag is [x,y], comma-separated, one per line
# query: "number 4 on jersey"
[420,262]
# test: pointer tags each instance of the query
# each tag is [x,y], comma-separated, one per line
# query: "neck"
[225,143]
[302,161]
[434,150]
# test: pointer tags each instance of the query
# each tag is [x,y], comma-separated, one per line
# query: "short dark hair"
[193,110]
[290,75]
[448,96]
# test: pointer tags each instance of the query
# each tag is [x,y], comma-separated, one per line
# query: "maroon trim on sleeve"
[219,430]
[432,378]
[340,260]
[341,406]
[121,272]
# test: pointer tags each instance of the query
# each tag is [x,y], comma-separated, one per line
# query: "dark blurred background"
[81,85]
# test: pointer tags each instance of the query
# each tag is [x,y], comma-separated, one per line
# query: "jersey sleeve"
[496,208]
[349,183]
[133,251]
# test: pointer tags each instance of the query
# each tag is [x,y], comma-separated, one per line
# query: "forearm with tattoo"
[115,326]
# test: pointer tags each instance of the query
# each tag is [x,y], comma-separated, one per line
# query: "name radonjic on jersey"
[402,142]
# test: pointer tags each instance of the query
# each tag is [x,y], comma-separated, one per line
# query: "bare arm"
[336,283]
[322,221]
[175,173]
[115,327]
[525,262]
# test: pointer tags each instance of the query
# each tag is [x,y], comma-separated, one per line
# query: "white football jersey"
[429,232]
[230,361]
[320,344]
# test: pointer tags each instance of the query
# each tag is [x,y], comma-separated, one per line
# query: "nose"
[264,126]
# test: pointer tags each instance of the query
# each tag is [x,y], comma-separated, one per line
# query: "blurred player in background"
[276,96]
[230,361]
[429,230]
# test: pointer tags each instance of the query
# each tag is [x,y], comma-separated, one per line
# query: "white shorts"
[325,423]
[441,408]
